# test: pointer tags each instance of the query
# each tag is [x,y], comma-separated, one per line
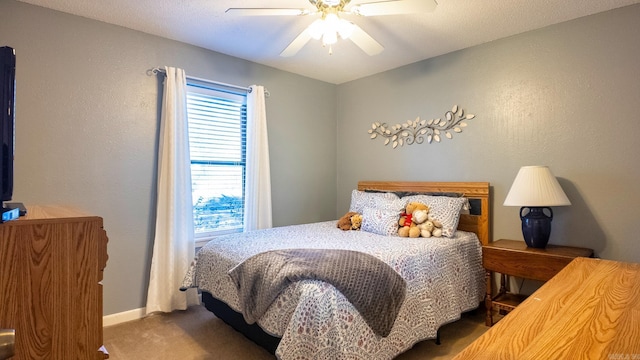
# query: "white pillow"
[380,221]
[362,199]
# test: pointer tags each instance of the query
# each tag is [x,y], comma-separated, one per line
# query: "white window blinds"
[217,138]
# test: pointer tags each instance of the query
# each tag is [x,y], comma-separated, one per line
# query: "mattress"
[444,278]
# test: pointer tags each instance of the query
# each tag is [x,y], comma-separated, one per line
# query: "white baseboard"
[124,316]
[129,315]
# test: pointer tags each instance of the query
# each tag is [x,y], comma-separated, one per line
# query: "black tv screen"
[7,119]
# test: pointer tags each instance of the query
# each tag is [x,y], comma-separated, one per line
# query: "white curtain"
[257,210]
[174,245]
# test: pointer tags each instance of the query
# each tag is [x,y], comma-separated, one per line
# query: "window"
[217,138]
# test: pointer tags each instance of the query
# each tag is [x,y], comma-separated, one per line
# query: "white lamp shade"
[536,186]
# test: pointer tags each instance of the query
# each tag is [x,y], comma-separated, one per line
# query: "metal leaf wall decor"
[415,131]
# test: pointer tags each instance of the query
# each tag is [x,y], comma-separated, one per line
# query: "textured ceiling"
[454,25]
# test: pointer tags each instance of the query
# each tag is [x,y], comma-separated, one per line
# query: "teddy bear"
[420,216]
[344,223]
[414,213]
[356,221]
[409,231]
[431,227]
[407,215]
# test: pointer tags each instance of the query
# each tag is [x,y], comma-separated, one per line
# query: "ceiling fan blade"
[267,11]
[365,42]
[394,7]
[297,44]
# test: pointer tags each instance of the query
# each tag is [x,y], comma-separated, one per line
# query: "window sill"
[202,239]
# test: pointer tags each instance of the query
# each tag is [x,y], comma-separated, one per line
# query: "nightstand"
[514,258]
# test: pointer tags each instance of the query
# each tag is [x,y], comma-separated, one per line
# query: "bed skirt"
[235,319]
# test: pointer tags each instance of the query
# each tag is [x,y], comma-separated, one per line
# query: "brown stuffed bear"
[408,227]
[344,223]
[356,222]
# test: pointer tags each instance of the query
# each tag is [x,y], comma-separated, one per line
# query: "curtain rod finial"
[155,71]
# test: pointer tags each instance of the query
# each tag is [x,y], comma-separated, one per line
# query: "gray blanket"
[373,287]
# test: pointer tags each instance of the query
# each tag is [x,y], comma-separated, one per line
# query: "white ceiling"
[454,25]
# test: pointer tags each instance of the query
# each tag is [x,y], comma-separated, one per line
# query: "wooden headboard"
[478,224]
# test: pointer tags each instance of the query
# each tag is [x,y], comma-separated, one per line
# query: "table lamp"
[536,189]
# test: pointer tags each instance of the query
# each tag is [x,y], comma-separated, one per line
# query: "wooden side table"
[515,258]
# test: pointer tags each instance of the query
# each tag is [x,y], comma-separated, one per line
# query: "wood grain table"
[515,258]
[589,310]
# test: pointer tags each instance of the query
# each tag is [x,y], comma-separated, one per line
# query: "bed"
[311,319]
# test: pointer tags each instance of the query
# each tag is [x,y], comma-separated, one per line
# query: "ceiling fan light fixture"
[329,28]
[317,29]
[331,2]
[329,38]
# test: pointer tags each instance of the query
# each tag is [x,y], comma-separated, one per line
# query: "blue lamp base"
[536,226]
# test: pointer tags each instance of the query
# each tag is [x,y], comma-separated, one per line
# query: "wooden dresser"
[589,310]
[51,266]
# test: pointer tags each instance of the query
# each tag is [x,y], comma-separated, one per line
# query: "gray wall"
[566,96]
[87,127]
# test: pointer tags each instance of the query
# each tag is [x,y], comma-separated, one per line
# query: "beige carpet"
[196,334]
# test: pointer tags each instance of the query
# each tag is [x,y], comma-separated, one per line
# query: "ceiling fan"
[329,26]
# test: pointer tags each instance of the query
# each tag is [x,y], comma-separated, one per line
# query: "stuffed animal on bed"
[344,223]
[420,216]
[356,221]
[431,227]
[414,214]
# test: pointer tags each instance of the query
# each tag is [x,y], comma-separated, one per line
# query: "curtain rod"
[157,70]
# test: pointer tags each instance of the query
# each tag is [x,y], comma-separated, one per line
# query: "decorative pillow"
[380,221]
[443,208]
[362,199]
[384,203]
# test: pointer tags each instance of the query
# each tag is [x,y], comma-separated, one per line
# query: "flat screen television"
[7,120]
